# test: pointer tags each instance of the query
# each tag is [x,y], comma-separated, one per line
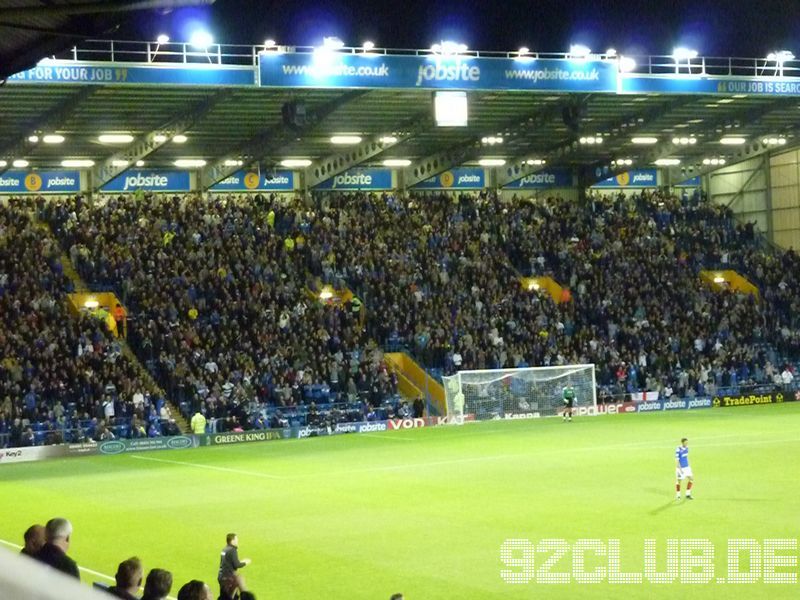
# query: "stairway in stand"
[80,286]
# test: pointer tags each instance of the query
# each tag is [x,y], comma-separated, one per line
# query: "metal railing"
[247,55]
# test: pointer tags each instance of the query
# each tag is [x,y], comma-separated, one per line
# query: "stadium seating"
[220,312]
[57,371]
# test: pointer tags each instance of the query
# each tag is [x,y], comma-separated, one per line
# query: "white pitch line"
[391,436]
[209,467]
[84,569]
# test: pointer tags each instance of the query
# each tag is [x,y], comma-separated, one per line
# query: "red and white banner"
[644,396]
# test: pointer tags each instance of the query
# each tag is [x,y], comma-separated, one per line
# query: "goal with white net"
[517,393]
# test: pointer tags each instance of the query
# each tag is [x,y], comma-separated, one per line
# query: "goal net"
[517,393]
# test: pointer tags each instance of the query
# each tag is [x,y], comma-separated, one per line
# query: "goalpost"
[517,393]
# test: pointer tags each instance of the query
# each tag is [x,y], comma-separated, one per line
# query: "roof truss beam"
[665,149]
[621,127]
[50,122]
[339,163]
[439,162]
[121,161]
[270,141]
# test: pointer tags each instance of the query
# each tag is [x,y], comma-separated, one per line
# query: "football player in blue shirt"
[683,470]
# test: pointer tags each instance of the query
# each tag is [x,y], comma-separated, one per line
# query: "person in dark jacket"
[58,533]
[229,564]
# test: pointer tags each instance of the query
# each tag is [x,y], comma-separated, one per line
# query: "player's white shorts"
[683,473]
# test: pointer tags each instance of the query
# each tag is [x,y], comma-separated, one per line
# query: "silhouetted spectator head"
[58,532]
[129,575]
[158,584]
[195,590]
[34,539]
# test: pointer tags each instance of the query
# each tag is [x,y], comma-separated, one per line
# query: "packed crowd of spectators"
[223,318]
[434,272]
[62,376]
[218,290]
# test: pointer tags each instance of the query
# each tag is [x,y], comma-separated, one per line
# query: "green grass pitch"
[426,511]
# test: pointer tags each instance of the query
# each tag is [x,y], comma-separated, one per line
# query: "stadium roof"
[32,29]
[245,122]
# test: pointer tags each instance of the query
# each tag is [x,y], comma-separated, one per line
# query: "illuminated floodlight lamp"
[780,57]
[388,139]
[668,162]
[139,163]
[3,164]
[232,162]
[397,162]
[332,43]
[535,162]
[644,140]
[77,163]
[492,162]
[683,55]
[163,39]
[33,139]
[733,141]
[53,138]
[368,45]
[449,48]
[118,162]
[20,163]
[523,51]
[159,138]
[201,39]
[179,139]
[579,51]
[491,140]
[345,140]
[190,163]
[270,43]
[115,138]
[680,53]
[626,64]
[294,163]
[451,109]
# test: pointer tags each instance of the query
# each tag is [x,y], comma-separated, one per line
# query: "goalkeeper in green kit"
[568,396]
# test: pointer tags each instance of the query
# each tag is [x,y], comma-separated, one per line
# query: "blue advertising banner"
[359,179]
[462,178]
[551,178]
[675,404]
[338,70]
[40,182]
[150,181]
[640,178]
[277,181]
[54,71]
[688,84]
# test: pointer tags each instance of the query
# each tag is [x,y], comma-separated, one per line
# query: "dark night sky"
[721,27]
